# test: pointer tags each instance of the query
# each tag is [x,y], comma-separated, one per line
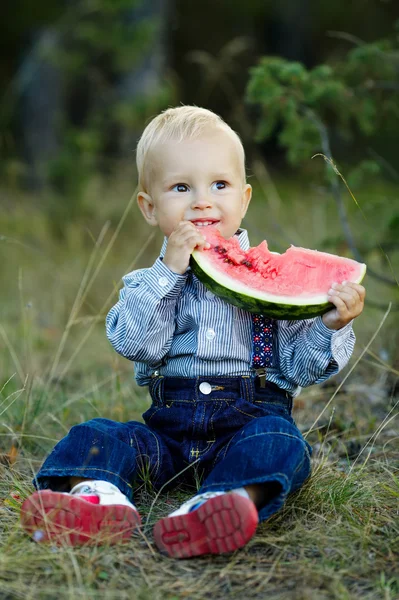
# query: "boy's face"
[198,180]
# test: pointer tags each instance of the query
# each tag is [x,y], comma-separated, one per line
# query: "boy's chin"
[227,234]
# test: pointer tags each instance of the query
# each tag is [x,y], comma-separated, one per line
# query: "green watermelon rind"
[276,307]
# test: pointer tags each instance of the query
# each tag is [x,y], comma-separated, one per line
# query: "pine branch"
[336,192]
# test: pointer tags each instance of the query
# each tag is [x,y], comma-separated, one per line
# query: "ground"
[336,538]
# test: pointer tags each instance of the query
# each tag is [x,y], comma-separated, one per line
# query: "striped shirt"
[172,324]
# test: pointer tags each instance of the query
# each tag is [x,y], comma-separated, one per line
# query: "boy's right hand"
[181,242]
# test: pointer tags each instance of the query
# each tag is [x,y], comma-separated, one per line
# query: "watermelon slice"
[292,285]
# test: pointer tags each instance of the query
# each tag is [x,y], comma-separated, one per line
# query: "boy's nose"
[201,201]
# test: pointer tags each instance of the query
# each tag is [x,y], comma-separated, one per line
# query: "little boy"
[215,414]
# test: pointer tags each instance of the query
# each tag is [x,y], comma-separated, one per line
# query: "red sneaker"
[221,523]
[94,511]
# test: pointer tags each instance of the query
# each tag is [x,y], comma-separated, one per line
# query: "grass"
[337,538]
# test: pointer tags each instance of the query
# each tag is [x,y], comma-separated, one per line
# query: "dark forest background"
[80,78]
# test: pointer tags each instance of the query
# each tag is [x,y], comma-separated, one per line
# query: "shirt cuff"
[320,335]
[340,338]
[323,338]
[162,281]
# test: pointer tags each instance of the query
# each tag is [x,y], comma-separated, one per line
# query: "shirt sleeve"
[309,352]
[141,325]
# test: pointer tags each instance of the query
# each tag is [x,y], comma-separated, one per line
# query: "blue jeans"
[237,433]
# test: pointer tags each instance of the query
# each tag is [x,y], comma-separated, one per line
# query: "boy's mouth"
[204,222]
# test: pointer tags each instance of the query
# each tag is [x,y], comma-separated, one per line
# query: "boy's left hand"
[348,299]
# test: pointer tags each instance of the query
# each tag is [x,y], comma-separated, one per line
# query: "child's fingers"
[359,289]
[203,245]
[187,232]
[349,294]
[347,303]
[194,240]
[184,234]
[350,287]
[341,307]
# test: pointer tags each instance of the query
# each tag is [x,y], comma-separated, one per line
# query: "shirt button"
[210,334]
[209,294]
[163,281]
[205,387]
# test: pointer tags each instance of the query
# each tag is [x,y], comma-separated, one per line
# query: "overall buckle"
[261,374]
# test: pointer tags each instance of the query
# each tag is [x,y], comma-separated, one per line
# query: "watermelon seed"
[247,264]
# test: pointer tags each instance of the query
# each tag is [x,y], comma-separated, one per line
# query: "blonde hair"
[178,124]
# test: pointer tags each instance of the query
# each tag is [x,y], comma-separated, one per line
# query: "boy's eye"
[180,187]
[220,185]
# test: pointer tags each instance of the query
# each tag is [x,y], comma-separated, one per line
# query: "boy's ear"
[246,198]
[147,207]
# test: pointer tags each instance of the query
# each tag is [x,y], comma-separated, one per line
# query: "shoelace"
[85,490]
[195,502]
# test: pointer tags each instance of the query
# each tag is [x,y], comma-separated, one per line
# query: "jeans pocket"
[156,389]
[250,410]
[150,413]
[275,409]
[280,402]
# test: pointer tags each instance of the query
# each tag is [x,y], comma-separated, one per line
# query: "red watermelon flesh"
[297,272]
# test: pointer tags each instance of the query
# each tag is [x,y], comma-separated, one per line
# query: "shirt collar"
[242,235]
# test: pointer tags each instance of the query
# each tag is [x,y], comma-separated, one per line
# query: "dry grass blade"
[106,303]
[375,435]
[14,395]
[13,354]
[82,291]
[351,369]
